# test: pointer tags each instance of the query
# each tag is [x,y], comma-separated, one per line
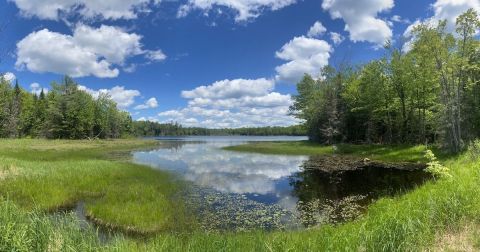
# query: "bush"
[435,168]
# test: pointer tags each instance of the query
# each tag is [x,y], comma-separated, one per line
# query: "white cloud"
[337,38]
[316,30]
[273,99]
[89,51]
[443,10]
[450,9]
[36,88]
[109,42]
[157,55]
[231,89]
[399,19]
[245,9]
[232,104]
[305,56]
[9,76]
[361,19]
[171,113]
[150,103]
[106,9]
[123,97]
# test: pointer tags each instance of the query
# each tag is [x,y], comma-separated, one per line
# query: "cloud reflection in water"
[207,165]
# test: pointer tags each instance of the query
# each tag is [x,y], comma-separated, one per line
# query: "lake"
[240,191]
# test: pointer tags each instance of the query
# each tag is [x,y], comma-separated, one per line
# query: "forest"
[426,92]
[66,112]
[148,128]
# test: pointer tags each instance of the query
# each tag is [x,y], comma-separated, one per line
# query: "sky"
[207,63]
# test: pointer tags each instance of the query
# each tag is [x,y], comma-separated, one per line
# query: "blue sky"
[216,63]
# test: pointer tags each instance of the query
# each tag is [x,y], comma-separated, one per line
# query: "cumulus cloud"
[399,19]
[447,10]
[450,9]
[110,9]
[337,38]
[316,30]
[89,51]
[361,19]
[231,89]
[123,97]
[232,104]
[305,56]
[156,55]
[9,76]
[245,9]
[150,103]
[36,88]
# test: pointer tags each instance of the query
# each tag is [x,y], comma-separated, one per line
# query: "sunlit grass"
[390,153]
[129,195]
[404,223]
[117,194]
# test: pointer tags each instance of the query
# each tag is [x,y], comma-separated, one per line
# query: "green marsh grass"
[409,222]
[388,153]
[118,195]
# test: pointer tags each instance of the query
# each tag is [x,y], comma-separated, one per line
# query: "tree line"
[66,112]
[427,94]
[148,128]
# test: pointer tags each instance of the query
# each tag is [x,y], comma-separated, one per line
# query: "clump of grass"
[122,195]
[283,148]
[387,153]
[474,150]
[33,231]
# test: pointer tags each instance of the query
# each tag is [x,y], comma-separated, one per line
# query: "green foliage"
[148,128]
[435,168]
[428,94]
[320,105]
[64,113]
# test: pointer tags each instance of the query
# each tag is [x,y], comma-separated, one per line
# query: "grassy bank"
[52,175]
[417,220]
[392,153]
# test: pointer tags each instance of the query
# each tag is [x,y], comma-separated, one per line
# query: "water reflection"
[244,190]
[342,195]
[207,165]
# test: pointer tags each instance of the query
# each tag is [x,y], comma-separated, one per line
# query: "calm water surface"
[233,190]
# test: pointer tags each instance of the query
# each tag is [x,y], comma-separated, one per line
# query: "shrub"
[435,168]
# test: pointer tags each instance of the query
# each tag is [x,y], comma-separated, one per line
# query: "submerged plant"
[326,211]
[435,168]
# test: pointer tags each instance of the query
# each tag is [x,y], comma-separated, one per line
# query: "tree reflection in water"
[337,196]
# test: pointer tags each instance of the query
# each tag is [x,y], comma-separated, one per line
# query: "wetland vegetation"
[413,182]
[33,185]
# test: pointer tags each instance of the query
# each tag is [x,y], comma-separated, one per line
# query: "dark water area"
[242,191]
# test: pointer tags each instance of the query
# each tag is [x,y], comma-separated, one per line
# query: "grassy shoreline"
[53,175]
[387,153]
[413,221]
